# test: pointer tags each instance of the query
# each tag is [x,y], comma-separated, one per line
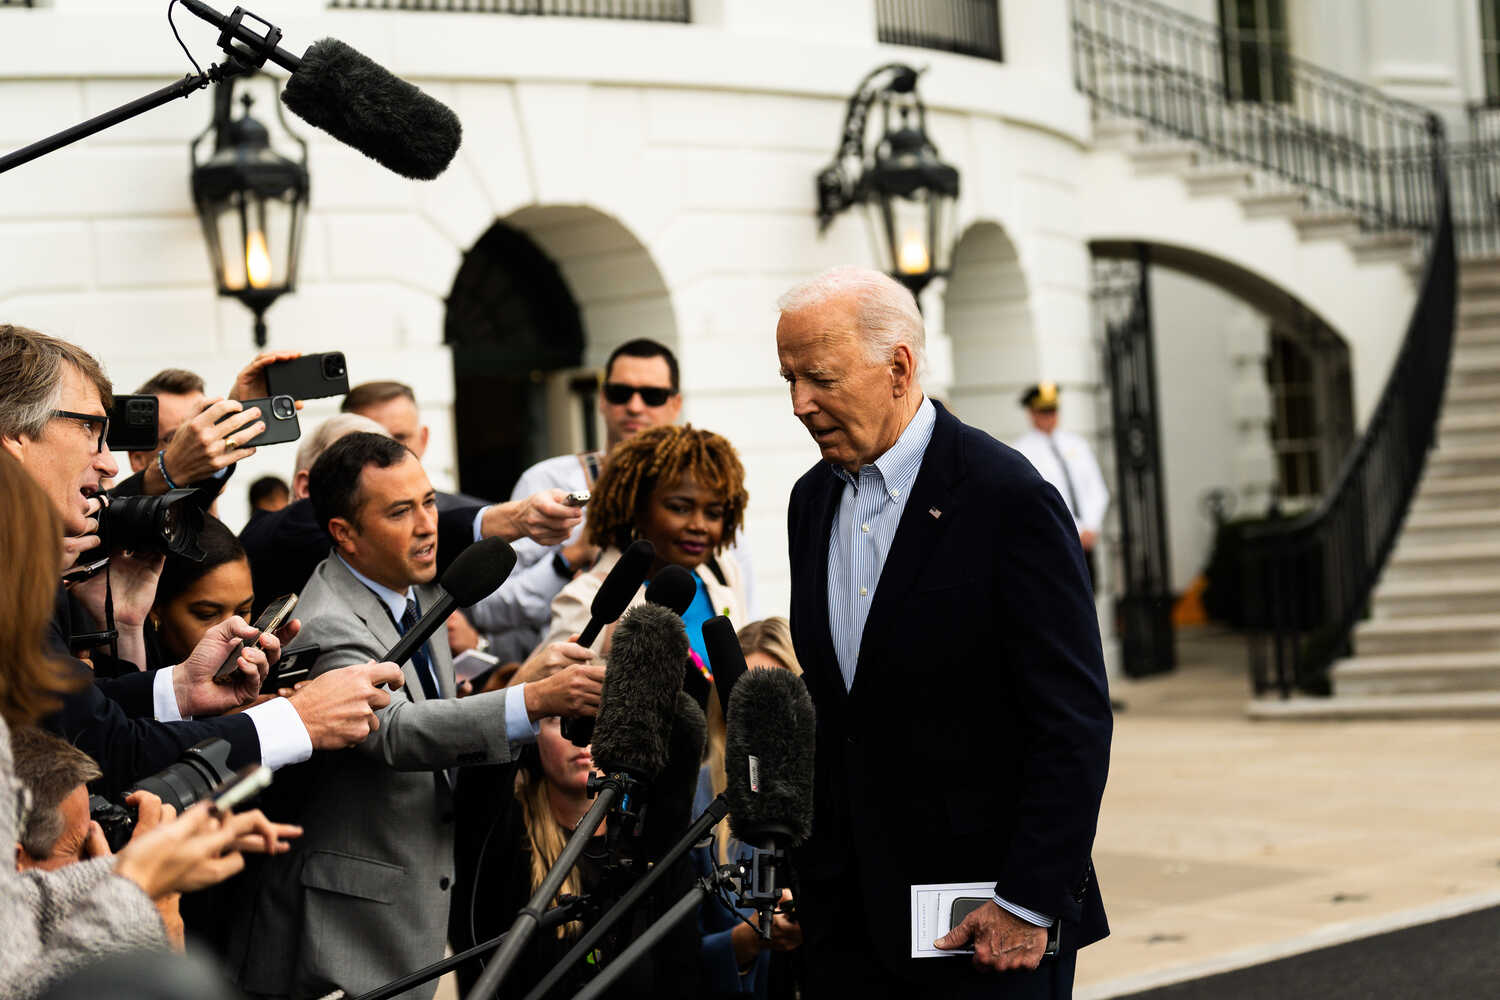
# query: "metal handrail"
[1348,146]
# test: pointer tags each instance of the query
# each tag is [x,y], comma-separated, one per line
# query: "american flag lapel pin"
[934,512]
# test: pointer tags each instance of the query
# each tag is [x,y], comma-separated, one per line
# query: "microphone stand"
[185,87]
[703,889]
[716,811]
[559,914]
[616,787]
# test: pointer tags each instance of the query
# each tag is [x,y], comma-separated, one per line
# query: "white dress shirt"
[1065,459]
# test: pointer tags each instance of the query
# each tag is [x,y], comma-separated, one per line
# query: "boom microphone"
[640,688]
[673,587]
[352,98]
[477,572]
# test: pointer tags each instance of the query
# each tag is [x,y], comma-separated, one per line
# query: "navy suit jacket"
[974,743]
[113,721]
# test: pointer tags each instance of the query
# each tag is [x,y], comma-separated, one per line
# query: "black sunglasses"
[88,418]
[619,393]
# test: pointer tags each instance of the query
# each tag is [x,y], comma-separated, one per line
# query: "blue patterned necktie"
[420,659]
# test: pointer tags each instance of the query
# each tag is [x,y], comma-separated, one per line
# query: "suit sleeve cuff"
[518,725]
[479,523]
[283,737]
[1030,916]
[164,697]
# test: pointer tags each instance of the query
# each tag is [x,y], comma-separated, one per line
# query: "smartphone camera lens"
[333,366]
[283,407]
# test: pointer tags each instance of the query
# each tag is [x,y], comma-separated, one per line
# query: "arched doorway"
[987,317]
[511,319]
[537,306]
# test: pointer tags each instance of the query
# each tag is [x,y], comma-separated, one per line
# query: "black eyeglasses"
[619,393]
[91,419]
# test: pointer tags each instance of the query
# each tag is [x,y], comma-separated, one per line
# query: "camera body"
[192,778]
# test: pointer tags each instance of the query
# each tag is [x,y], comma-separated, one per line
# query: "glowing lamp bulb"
[912,258]
[257,260]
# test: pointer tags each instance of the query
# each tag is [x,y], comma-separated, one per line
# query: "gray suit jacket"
[362,899]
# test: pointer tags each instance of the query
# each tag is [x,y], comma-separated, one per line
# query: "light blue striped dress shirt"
[869,512]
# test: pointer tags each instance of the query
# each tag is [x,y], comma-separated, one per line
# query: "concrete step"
[1473,427]
[1417,562]
[1458,493]
[1479,271]
[1455,459]
[1383,248]
[1327,225]
[1163,158]
[1420,673]
[1452,527]
[1475,366]
[1437,595]
[1442,705]
[1477,335]
[1460,399]
[1218,179]
[1272,204]
[1478,311]
[1428,634]
[1118,133]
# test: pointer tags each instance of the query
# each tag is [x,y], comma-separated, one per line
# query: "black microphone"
[352,98]
[672,794]
[618,589]
[725,657]
[672,587]
[768,765]
[477,572]
[640,689]
[614,596]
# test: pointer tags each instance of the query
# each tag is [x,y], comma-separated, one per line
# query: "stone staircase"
[1259,195]
[1431,646]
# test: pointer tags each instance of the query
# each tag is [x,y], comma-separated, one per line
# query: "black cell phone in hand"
[312,377]
[132,423]
[279,414]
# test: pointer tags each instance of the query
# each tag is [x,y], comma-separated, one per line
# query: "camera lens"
[283,407]
[333,366]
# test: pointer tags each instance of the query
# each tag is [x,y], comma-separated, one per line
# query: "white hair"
[331,430]
[886,313]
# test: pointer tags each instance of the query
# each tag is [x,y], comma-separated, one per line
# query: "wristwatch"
[561,566]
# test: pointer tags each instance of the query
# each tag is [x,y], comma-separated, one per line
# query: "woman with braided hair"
[682,489]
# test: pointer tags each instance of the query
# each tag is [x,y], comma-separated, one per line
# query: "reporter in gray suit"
[363,899]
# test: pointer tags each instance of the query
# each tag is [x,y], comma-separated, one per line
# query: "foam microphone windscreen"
[362,104]
[725,657]
[768,755]
[478,571]
[673,792]
[640,687]
[673,587]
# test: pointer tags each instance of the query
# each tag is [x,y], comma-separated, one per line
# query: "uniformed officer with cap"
[1066,461]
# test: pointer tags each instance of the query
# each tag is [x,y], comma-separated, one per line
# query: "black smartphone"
[962,908]
[280,416]
[310,377]
[271,619]
[246,783]
[293,666]
[132,424]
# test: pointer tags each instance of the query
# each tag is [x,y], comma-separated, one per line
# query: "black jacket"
[113,721]
[286,545]
[974,743]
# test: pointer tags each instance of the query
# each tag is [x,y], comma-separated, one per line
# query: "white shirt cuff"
[283,737]
[479,522]
[518,725]
[1030,916]
[164,697]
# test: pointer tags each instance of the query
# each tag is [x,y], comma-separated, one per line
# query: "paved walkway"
[1225,842]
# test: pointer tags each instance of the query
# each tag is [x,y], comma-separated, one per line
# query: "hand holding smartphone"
[270,620]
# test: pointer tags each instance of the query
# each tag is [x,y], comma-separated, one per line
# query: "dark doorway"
[511,320]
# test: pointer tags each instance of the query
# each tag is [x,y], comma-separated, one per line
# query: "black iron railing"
[1349,147]
[1309,578]
[1474,172]
[679,11]
[968,27]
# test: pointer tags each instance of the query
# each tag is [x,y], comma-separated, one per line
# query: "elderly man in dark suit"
[942,616]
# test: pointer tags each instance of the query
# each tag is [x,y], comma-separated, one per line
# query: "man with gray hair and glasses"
[941,613]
